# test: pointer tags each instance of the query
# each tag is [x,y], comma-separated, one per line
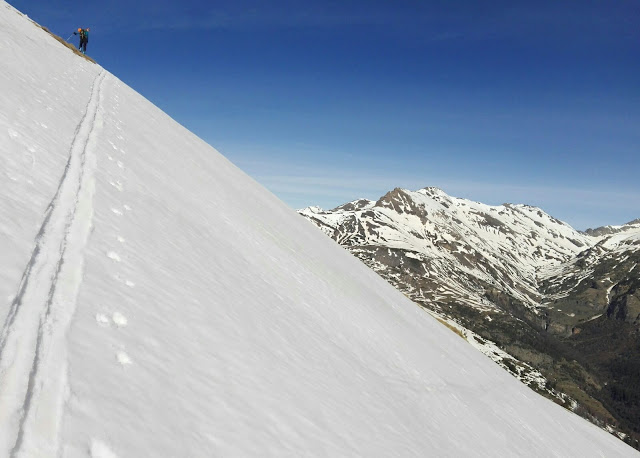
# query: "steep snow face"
[158,302]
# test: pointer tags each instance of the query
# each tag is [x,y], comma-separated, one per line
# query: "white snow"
[225,325]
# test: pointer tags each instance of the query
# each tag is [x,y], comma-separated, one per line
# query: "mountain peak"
[358,204]
[520,238]
[432,191]
[609,230]
[505,272]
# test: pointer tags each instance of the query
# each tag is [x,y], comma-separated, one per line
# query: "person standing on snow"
[84,39]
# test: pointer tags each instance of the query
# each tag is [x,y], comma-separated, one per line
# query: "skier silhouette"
[84,39]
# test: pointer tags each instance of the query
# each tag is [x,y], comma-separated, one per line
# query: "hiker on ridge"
[84,39]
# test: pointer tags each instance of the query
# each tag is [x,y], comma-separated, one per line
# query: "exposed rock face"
[608,230]
[625,304]
[512,277]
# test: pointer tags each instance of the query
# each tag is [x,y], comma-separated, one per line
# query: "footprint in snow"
[30,157]
[116,185]
[119,320]
[116,211]
[123,358]
[129,283]
[113,255]
[102,320]
[99,449]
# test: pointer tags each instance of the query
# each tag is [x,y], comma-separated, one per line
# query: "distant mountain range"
[557,307]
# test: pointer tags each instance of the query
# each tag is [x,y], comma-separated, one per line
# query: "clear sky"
[323,102]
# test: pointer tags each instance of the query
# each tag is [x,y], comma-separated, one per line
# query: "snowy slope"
[158,302]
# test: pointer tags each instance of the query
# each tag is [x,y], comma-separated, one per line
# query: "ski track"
[33,352]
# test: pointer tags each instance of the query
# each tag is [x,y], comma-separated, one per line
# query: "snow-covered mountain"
[156,301]
[610,261]
[508,274]
[462,246]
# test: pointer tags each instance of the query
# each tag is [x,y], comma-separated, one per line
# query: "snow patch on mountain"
[459,235]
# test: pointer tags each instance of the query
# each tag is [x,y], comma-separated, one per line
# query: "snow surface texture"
[158,302]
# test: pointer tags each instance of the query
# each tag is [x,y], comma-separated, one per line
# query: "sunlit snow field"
[159,302]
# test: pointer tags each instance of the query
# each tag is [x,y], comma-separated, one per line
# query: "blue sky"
[324,102]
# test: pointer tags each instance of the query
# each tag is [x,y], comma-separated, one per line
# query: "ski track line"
[33,351]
